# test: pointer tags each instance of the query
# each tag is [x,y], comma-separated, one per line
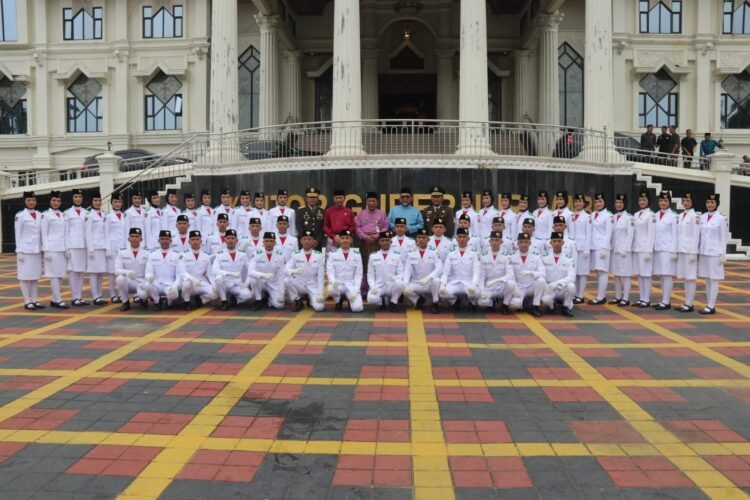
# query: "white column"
[722,164]
[703,80]
[109,166]
[473,99]
[521,84]
[224,105]
[446,88]
[549,81]
[294,84]
[268,114]
[370,101]
[346,139]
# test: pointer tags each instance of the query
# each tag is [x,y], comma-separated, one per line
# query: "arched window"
[663,16]
[85,110]
[162,22]
[570,71]
[164,105]
[12,107]
[658,100]
[735,101]
[736,20]
[82,25]
[249,79]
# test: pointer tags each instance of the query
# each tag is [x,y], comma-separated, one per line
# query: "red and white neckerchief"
[135,254]
[596,216]
[233,255]
[282,210]
[618,217]
[709,217]
[421,254]
[346,255]
[661,215]
[385,255]
[283,239]
[33,214]
[556,259]
[523,258]
[196,255]
[119,215]
[270,256]
[307,255]
[164,255]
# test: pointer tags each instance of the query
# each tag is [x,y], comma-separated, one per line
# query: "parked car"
[131,156]
[264,150]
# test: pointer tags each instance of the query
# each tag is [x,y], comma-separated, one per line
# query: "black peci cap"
[222,217]
[496,234]
[182,218]
[462,231]
[556,235]
[135,230]
[230,232]
[269,235]
[194,234]
[165,233]
[345,232]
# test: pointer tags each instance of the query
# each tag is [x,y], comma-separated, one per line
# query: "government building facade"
[80,76]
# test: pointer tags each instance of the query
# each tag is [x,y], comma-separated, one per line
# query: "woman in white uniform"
[688,235]
[601,246]
[644,223]
[665,249]
[53,245]
[117,237]
[75,247]
[712,250]
[621,265]
[96,244]
[580,230]
[28,232]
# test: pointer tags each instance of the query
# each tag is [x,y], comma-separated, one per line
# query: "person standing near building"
[117,238]
[171,211]
[28,233]
[136,215]
[709,146]
[467,210]
[663,143]
[75,247]
[485,215]
[688,237]
[97,246]
[621,265]
[281,208]
[648,141]
[602,222]
[285,242]
[240,218]
[580,230]
[370,223]
[191,212]
[644,234]
[261,212]
[674,145]
[311,217]
[561,207]
[543,216]
[714,229]
[508,216]
[206,218]
[665,249]
[53,245]
[438,210]
[225,207]
[406,211]
[130,269]
[338,218]
[688,144]
[522,213]
[154,221]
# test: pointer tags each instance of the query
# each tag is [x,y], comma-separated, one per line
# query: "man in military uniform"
[305,273]
[345,273]
[496,281]
[438,210]
[230,273]
[560,275]
[265,272]
[384,275]
[311,217]
[422,272]
[194,270]
[28,233]
[130,269]
[161,272]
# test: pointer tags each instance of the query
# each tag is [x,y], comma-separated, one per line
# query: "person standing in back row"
[310,218]
[714,228]
[53,246]
[28,232]
[75,247]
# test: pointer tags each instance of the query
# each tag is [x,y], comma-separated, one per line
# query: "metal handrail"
[664,159]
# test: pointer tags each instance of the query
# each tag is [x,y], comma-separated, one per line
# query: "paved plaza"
[616,403]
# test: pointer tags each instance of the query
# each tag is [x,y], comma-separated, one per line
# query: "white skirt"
[687,270]
[55,265]
[599,263]
[710,267]
[621,265]
[31,267]
[583,264]
[643,264]
[77,260]
[111,264]
[663,264]
[97,262]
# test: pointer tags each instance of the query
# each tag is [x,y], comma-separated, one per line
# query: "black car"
[264,150]
[132,156]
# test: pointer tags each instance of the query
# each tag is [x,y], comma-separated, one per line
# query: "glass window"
[163,108]
[324,96]
[162,23]
[663,17]
[657,104]
[736,20]
[82,25]
[735,101]
[570,72]
[8,32]
[249,80]
[85,110]
[12,107]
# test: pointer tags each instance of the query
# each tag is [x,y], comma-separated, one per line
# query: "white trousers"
[204,290]
[126,285]
[535,290]
[565,293]
[275,291]
[296,288]
[500,290]
[350,291]
[158,288]
[414,290]
[452,291]
[392,289]
[225,288]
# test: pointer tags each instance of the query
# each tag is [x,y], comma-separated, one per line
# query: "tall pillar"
[268,114]
[473,99]
[294,84]
[224,106]
[109,166]
[446,88]
[346,139]
[521,83]
[370,101]
[722,164]
[549,80]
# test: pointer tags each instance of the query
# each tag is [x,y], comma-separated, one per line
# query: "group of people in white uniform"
[500,259]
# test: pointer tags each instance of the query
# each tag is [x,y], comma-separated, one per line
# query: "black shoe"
[115,300]
[340,304]
[434,308]
[79,303]
[59,305]
[144,304]
[258,305]
[188,306]
[224,306]
[567,312]
[536,312]
[662,306]
[125,306]
[623,303]
[685,309]
[156,307]
[644,305]
[597,302]
[382,306]
[420,304]
[504,309]
[30,307]
[137,300]
[100,302]
[232,301]
[613,301]
[708,310]
[578,300]
[392,307]
[198,302]
[472,307]
[298,305]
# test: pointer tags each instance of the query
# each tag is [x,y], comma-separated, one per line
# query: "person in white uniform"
[644,234]
[225,207]
[230,273]
[542,216]
[206,217]
[254,239]
[422,272]
[28,233]
[580,230]
[688,238]
[507,245]
[602,223]
[528,226]
[522,213]
[528,273]
[305,273]
[621,264]
[384,273]
[442,244]
[154,220]
[136,216]
[560,275]
[265,273]
[285,242]
[97,246]
[281,208]
[75,247]
[215,242]
[467,210]
[561,207]
[191,211]
[130,269]
[665,249]
[195,274]
[712,250]
[345,273]
[496,280]
[171,212]
[509,217]
[162,278]
[240,219]
[483,224]
[53,245]
[261,212]
[117,237]
[181,238]
[402,245]
[461,273]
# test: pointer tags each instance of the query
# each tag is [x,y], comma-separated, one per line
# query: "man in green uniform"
[438,210]
[310,217]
